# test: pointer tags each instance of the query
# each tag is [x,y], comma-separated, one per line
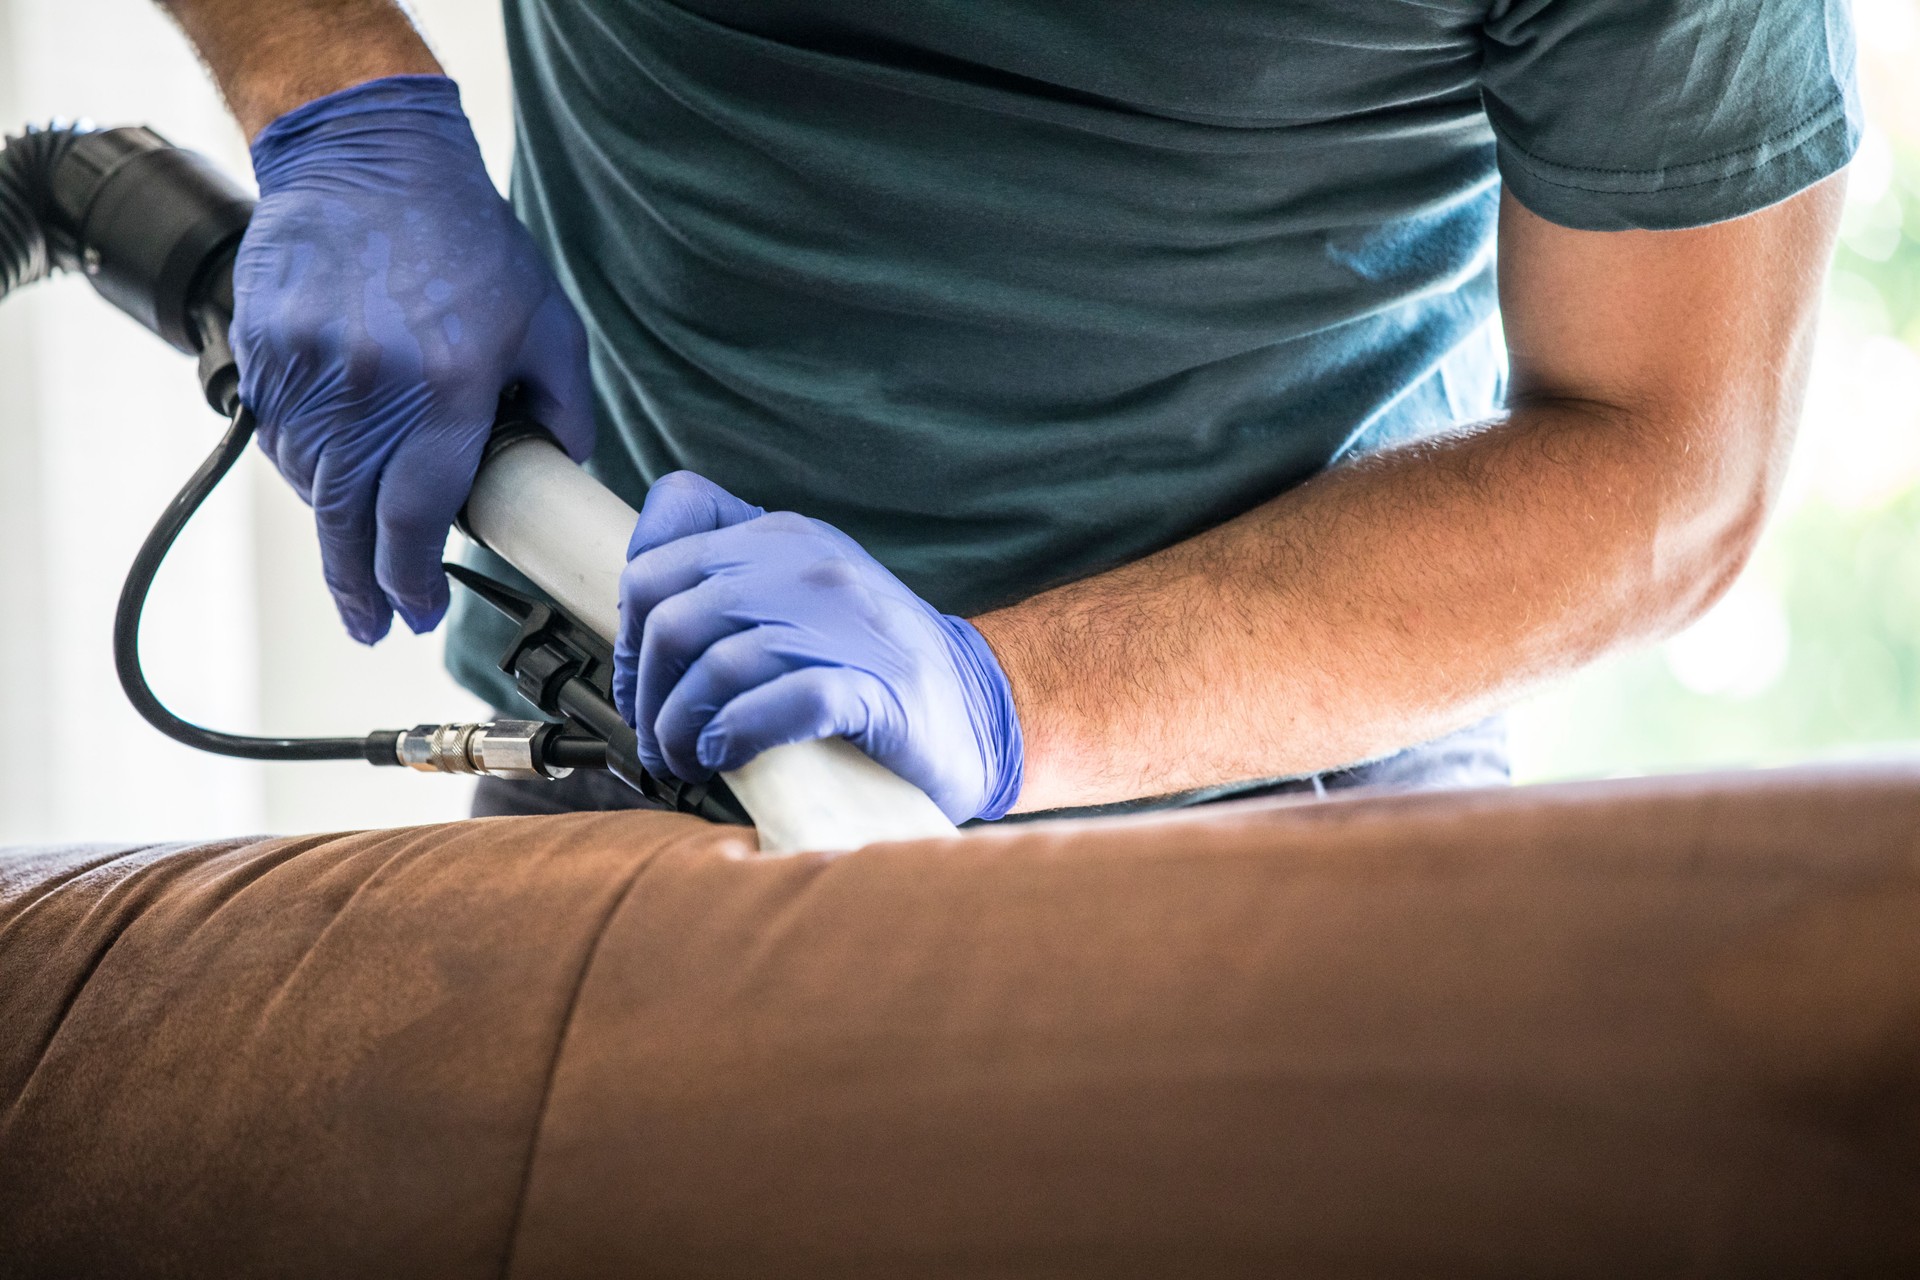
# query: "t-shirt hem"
[1692,195]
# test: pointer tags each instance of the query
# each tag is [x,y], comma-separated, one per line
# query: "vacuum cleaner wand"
[156,229]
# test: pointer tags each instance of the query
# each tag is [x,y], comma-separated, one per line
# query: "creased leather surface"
[1649,1028]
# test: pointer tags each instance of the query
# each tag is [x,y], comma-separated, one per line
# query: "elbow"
[1708,533]
[1724,550]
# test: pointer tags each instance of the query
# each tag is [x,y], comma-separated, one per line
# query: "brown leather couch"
[1664,1027]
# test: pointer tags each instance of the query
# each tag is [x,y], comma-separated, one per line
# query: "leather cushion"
[1650,1027]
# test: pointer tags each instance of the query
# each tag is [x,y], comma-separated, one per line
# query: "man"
[1134,363]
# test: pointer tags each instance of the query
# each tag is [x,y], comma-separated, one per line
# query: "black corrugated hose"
[29,250]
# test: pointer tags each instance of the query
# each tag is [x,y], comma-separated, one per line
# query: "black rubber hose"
[133,602]
[28,250]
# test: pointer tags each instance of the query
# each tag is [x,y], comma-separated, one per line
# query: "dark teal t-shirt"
[1014,291]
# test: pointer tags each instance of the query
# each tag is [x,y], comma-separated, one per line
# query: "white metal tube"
[568,533]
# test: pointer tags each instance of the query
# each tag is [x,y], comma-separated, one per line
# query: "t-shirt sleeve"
[1659,114]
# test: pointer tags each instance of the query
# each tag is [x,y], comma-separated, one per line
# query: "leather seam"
[553,1064]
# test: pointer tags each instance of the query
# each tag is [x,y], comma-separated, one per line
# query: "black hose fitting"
[153,227]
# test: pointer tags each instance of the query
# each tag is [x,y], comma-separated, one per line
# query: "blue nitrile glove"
[384,297]
[741,631]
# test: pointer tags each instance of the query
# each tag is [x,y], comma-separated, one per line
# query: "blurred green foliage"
[1846,580]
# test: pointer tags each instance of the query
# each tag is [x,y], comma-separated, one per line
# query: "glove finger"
[800,706]
[553,370]
[677,633]
[823,702]
[681,504]
[343,513]
[644,583]
[273,443]
[297,465]
[730,667]
[422,488]
[658,574]
[626,660]
[649,580]
[655,576]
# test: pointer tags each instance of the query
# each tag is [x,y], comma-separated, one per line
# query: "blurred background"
[1815,652]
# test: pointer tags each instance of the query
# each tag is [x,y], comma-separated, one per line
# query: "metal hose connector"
[501,749]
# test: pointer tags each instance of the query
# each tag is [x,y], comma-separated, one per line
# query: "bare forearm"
[270,56]
[1381,604]
[1657,379]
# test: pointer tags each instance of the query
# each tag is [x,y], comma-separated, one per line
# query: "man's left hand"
[742,630]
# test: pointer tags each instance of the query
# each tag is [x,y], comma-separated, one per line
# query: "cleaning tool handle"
[568,533]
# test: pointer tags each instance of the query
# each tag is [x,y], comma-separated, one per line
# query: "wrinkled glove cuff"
[996,725]
[281,147]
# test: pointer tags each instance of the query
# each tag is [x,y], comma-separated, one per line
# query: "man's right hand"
[385,296]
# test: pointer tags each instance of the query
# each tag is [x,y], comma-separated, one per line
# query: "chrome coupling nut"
[499,749]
